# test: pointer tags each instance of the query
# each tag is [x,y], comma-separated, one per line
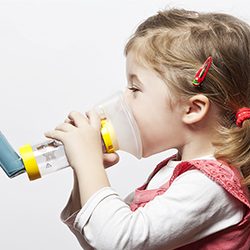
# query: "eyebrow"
[136,78]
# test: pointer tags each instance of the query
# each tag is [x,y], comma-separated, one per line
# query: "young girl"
[188,88]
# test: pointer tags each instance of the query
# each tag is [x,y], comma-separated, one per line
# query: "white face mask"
[118,126]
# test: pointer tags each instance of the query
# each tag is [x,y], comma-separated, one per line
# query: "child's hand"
[109,159]
[81,138]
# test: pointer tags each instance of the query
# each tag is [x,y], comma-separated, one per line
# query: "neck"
[196,146]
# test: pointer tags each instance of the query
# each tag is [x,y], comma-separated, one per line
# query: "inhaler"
[119,131]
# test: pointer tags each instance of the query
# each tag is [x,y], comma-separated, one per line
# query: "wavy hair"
[176,42]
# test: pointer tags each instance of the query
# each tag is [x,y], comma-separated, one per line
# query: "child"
[188,88]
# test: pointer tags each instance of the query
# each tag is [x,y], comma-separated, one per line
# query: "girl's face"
[149,98]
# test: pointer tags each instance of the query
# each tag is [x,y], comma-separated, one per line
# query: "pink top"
[232,238]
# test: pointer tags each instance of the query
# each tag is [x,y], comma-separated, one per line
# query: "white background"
[58,56]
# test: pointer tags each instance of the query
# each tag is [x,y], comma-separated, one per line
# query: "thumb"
[110,159]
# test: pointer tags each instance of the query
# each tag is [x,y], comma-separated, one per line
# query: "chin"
[146,154]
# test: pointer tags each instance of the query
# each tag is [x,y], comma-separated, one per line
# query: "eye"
[133,89]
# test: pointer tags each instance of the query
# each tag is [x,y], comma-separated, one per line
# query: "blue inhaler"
[118,131]
[10,161]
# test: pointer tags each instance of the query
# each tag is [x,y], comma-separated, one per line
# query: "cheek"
[158,128]
[150,125]
[152,121]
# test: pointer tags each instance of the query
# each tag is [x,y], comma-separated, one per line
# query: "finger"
[65,127]
[55,134]
[67,120]
[110,159]
[94,119]
[78,118]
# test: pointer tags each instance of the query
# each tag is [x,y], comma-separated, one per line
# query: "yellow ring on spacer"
[106,131]
[29,161]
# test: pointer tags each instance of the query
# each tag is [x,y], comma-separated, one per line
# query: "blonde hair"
[175,43]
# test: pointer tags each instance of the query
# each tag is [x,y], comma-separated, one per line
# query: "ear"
[196,109]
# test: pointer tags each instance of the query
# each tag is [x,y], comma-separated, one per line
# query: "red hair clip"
[202,72]
[242,115]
